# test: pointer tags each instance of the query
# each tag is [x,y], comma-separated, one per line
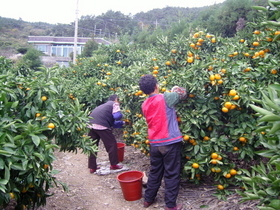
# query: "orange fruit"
[156,67]
[224,109]
[241,40]
[233,172]
[192,45]
[223,71]
[46,166]
[195,165]
[257,32]
[206,138]
[232,93]
[174,51]
[213,40]
[168,63]
[256,44]
[218,76]
[12,195]
[220,82]
[51,125]
[155,72]
[214,161]
[214,155]
[219,157]
[190,59]
[220,187]
[273,71]
[212,77]
[235,148]
[228,104]
[44,98]
[236,97]
[186,137]
[242,139]
[228,175]
[38,115]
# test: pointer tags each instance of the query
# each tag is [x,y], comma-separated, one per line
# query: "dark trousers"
[110,144]
[165,163]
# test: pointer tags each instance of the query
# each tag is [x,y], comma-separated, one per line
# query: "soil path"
[95,192]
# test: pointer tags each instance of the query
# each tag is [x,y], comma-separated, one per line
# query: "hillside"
[141,28]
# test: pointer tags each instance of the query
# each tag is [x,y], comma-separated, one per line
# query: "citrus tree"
[223,77]
[37,117]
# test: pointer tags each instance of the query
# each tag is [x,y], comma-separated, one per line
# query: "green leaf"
[35,139]
[260,110]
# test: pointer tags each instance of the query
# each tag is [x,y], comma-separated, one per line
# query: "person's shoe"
[147,204]
[115,167]
[93,170]
[178,207]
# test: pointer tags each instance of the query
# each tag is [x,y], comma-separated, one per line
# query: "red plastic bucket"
[131,184]
[120,151]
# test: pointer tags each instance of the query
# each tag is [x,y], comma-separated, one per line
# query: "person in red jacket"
[102,119]
[165,141]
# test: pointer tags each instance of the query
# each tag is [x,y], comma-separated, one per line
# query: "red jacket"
[161,118]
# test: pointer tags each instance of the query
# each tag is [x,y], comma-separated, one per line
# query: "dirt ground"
[95,192]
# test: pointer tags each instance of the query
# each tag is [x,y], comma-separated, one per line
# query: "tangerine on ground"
[195,165]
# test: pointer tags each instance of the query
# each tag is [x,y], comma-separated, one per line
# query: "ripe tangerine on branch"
[195,165]
[44,98]
[224,109]
[51,125]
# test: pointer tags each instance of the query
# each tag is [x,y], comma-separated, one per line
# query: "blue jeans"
[165,162]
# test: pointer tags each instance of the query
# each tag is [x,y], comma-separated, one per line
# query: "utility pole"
[76,35]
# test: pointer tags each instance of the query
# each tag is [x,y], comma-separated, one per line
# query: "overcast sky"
[64,11]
